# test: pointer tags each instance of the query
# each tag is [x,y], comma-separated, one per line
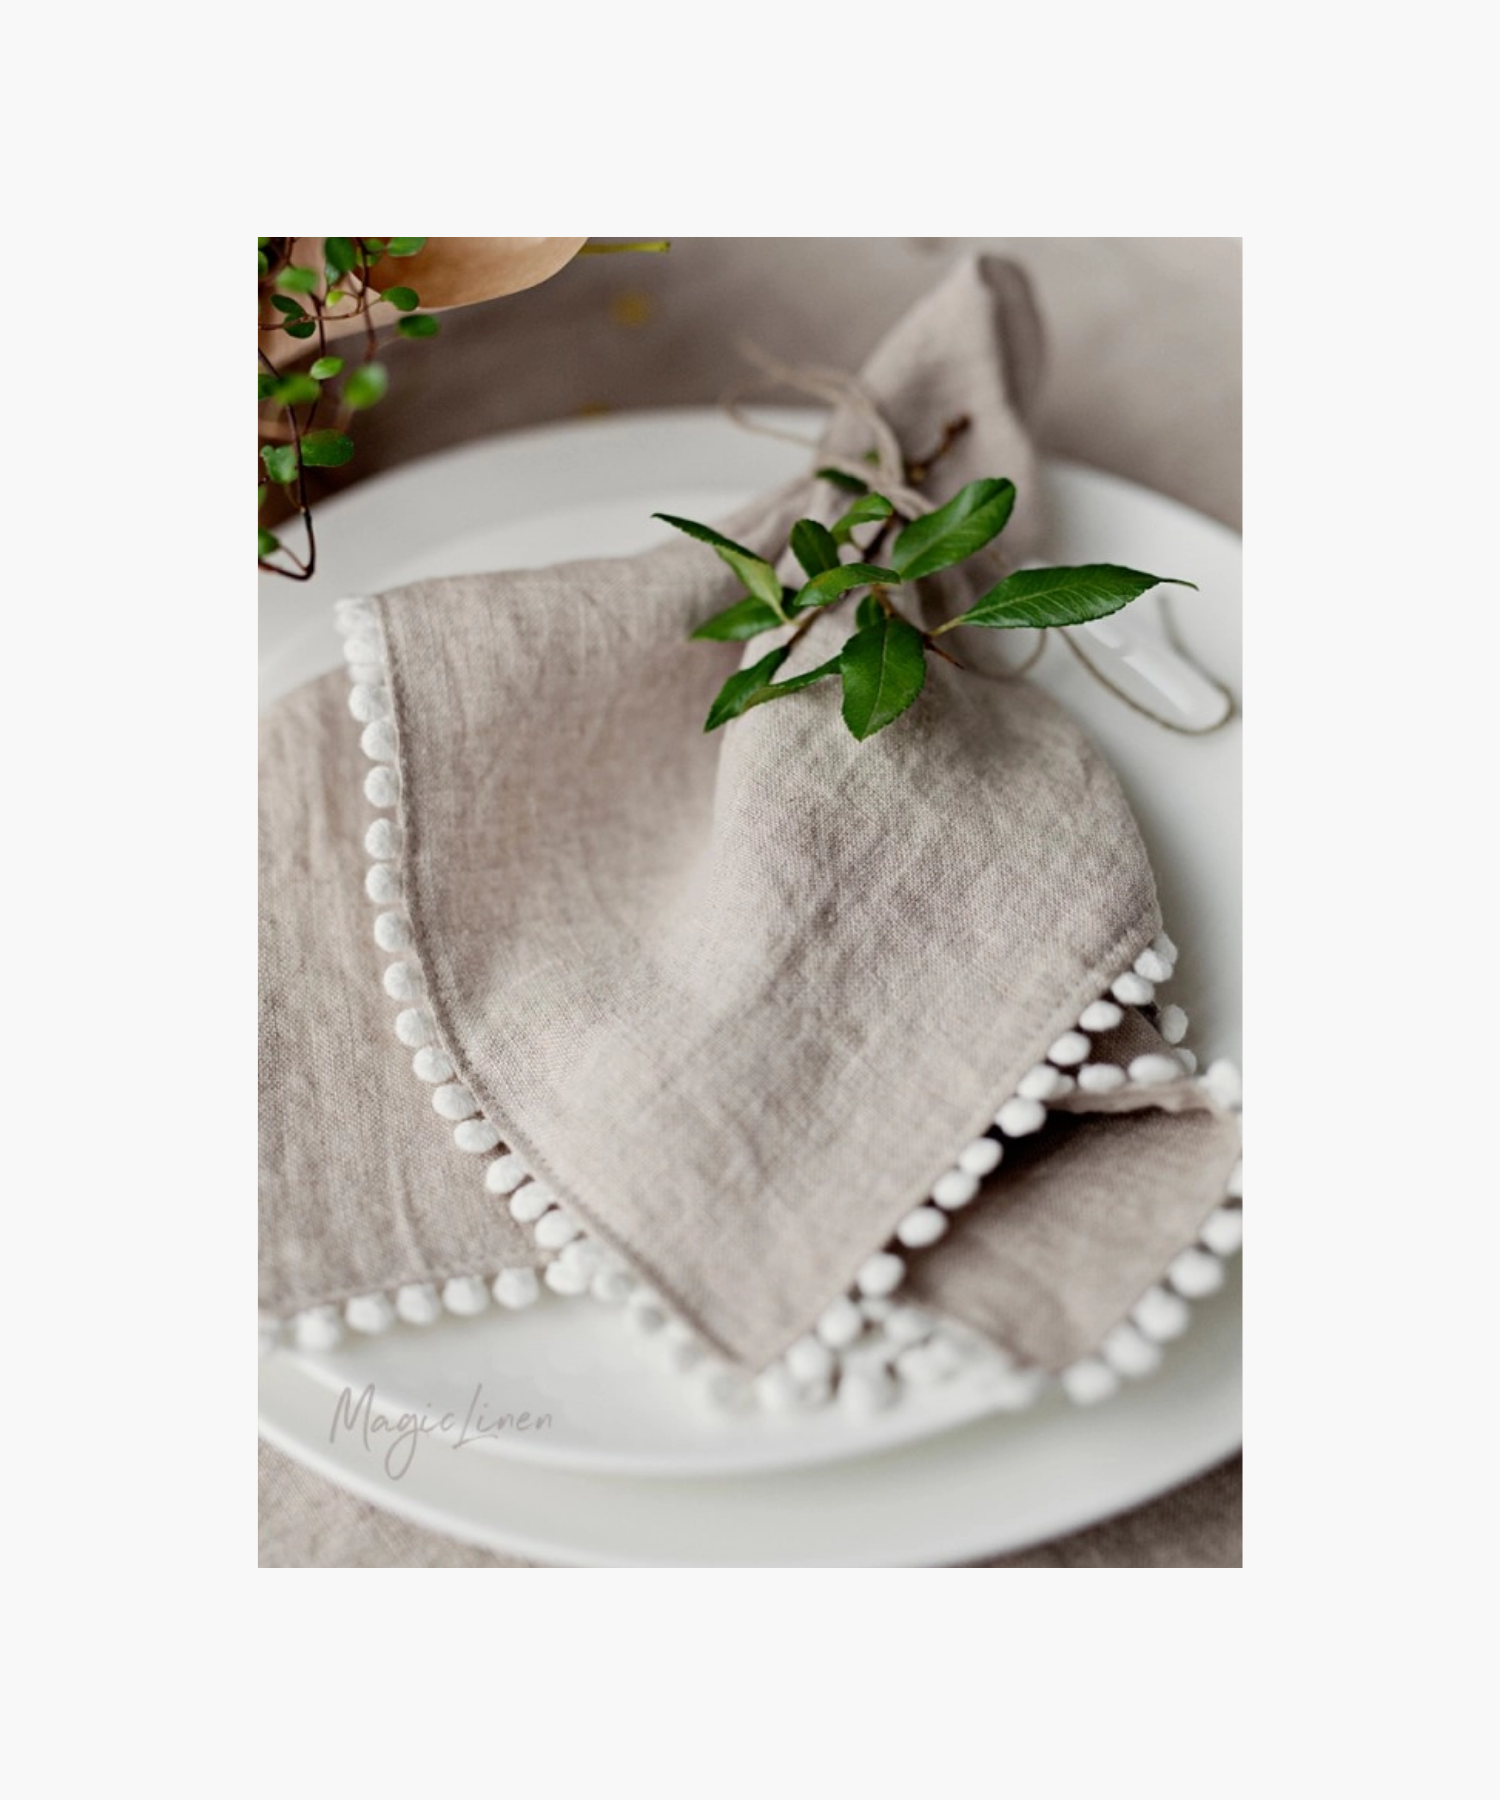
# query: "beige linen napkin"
[757,1034]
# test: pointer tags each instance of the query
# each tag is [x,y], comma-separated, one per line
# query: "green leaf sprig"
[295,436]
[882,667]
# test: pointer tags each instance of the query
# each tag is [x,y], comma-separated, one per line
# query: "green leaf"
[884,667]
[740,690]
[404,299]
[265,264]
[260,495]
[814,547]
[1043,597]
[267,386]
[297,281]
[297,390]
[280,461]
[326,367]
[795,683]
[756,573]
[851,484]
[747,618]
[419,325]
[292,308]
[339,255]
[967,523]
[303,328]
[374,248]
[326,449]
[268,543]
[833,582]
[365,386]
[870,506]
[868,612]
[405,246]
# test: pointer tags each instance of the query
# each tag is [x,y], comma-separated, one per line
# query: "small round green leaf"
[338,256]
[297,281]
[268,543]
[365,386]
[300,328]
[267,386]
[326,449]
[265,266]
[405,246]
[404,299]
[420,325]
[326,367]
[292,308]
[280,461]
[297,390]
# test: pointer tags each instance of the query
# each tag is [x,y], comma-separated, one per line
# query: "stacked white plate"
[633,1466]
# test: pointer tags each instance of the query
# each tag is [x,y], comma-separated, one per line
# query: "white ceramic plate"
[589,489]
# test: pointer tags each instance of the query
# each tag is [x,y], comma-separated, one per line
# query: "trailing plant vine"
[315,288]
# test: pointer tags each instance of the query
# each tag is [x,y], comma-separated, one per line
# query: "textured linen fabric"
[738,999]
[359,1185]
[1147,384]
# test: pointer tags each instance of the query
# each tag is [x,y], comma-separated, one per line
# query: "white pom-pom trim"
[530,1203]
[418,1303]
[378,741]
[370,1313]
[431,1065]
[1089,1381]
[369,703]
[1020,1117]
[453,1101]
[504,1175]
[383,883]
[980,1158]
[383,840]
[881,1275]
[957,1188]
[382,786]
[392,931]
[516,1288]
[319,1328]
[466,1295]
[403,981]
[414,1027]
[476,1136]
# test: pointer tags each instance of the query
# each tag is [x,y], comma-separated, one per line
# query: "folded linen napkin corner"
[837,1095]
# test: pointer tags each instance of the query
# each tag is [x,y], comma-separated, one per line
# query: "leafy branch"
[882,666]
[305,420]
[330,287]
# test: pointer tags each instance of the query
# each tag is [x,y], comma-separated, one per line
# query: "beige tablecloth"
[1144,381]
